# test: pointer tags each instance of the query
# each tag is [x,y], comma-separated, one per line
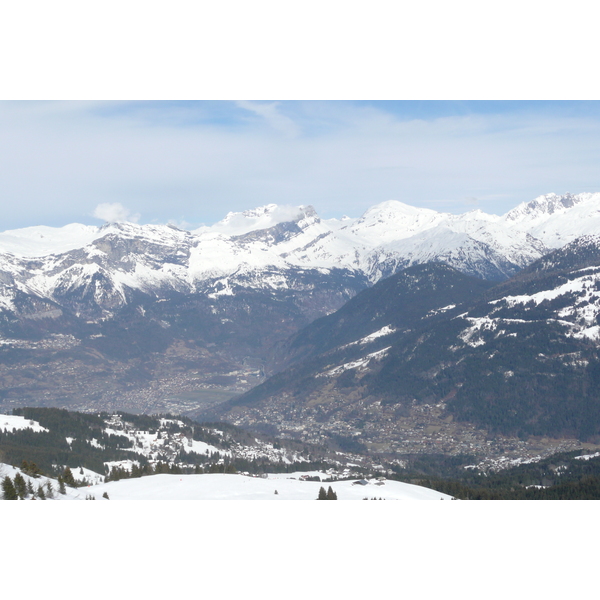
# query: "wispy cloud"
[115,213]
[195,162]
[270,112]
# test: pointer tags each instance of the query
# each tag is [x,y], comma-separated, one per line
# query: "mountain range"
[153,318]
[155,258]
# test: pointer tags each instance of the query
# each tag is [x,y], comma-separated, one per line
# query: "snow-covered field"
[234,487]
[240,487]
[9,423]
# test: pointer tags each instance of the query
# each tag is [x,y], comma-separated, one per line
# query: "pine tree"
[8,489]
[61,485]
[20,486]
[322,494]
[40,492]
[68,477]
[49,490]
[331,495]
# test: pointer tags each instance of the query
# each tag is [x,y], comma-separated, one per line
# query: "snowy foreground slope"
[234,487]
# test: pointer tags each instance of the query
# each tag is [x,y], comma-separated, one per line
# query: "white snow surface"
[83,474]
[10,471]
[234,487]
[578,316]
[10,423]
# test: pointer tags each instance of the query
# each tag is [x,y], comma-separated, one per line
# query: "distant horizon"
[117,209]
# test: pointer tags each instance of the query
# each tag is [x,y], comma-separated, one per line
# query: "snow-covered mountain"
[557,220]
[217,299]
[266,247]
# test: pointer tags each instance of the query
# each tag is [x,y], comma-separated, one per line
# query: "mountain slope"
[516,360]
[400,300]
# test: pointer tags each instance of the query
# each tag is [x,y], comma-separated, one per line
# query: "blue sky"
[192,162]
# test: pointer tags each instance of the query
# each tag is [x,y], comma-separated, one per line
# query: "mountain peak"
[394,219]
[548,204]
[262,217]
[397,207]
[556,219]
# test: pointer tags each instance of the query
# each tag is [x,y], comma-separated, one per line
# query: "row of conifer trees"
[20,488]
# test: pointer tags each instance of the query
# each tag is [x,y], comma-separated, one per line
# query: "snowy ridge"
[262,248]
[557,220]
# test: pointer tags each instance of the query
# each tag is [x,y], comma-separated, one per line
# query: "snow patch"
[356,364]
[387,330]
[587,456]
[10,423]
